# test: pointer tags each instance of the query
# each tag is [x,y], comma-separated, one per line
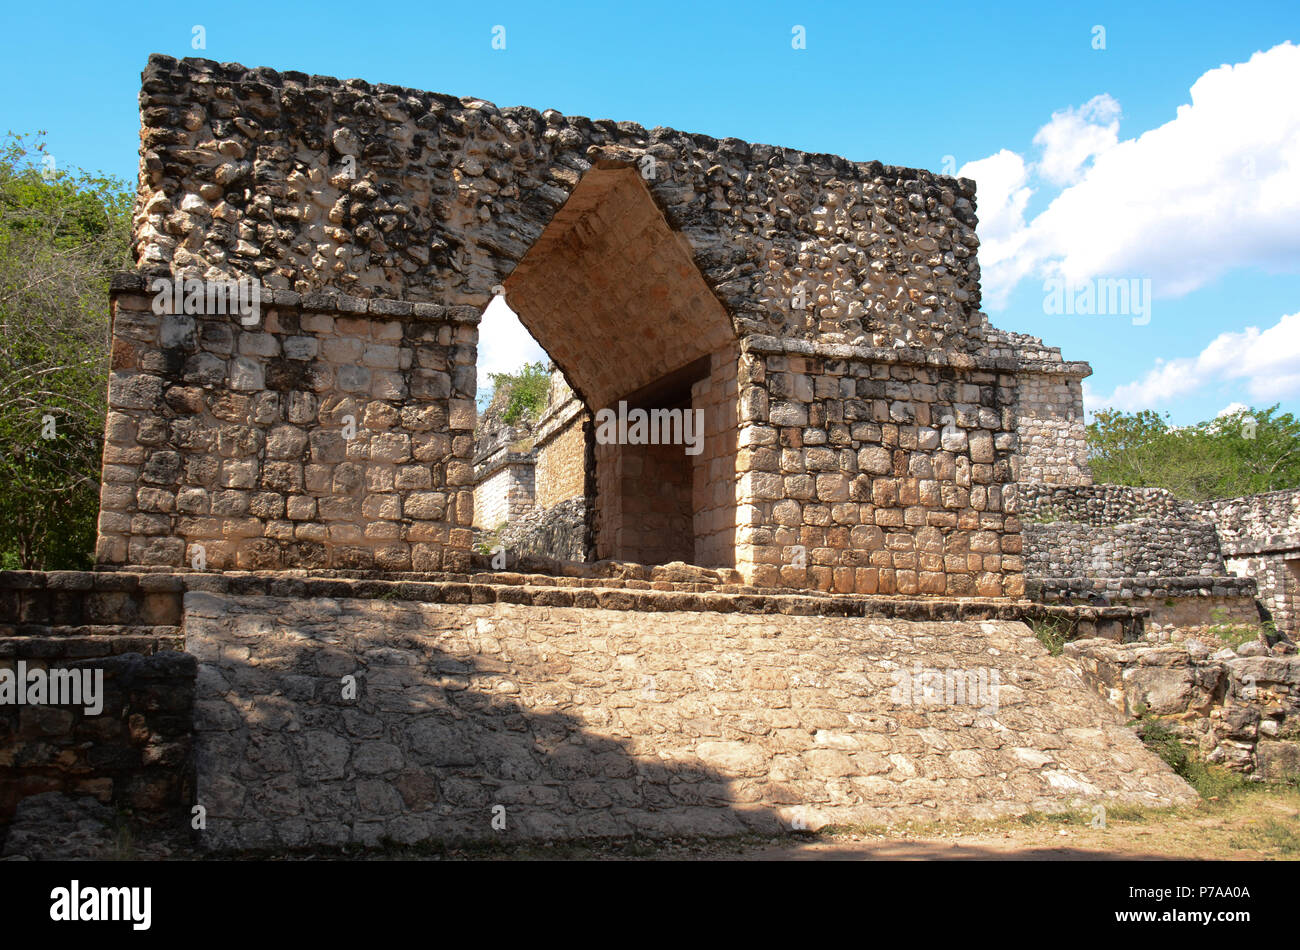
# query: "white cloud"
[1003,194]
[503,344]
[1075,135]
[1231,409]
[1264,363]
[1003,182]
[1215,188]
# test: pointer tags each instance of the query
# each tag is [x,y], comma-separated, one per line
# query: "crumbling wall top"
[311,183]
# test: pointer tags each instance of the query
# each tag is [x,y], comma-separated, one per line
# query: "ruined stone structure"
[1050,432]
[1260,539]
[504,478]
[823,314]
[289,493]
[531,482]
[1139,546]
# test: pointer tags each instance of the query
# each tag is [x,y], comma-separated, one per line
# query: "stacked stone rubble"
[1241,711]
[1260,536]
[331,432]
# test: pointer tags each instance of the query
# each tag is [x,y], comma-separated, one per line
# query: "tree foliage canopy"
[523,391]
[1242,453]
[63,232]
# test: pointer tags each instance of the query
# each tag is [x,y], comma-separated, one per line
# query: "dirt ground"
[1256,825]
[1261,828]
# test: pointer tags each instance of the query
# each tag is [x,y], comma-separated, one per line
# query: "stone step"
[54,644]
[1112,622]
[595,721]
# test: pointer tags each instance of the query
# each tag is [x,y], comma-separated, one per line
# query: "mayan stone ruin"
[335,610]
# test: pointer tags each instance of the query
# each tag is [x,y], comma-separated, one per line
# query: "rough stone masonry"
[826,312]
[569,722]
[866,428]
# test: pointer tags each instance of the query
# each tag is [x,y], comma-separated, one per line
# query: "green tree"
[63,232]
[1243,453]
[523,392]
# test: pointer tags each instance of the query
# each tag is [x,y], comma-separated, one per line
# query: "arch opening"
[611,292]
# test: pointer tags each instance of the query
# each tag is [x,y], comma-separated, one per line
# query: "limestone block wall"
[1260,535]
[1256,522]
[310,182]
[1050,428]
[1112,532]
[643,503]
[561,444]
[714,477]
[333,432]
[506,494]
[115,611]
[1050,419]
[1208,605]
[889,473]
[135,752]
[566,721]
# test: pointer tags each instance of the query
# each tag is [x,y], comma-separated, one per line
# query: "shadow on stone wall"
[134,753]
[435,746]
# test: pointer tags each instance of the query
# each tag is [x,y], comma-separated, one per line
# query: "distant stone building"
[1260,539]
[530,486]
[560,444]
[503,478]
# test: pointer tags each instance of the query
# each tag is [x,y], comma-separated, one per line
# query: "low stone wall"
[1185,603]
[1260,536]
[560,721]
[1113,533]
[1189,614]
[135,752]
[1129,551]
[1240,711]
[558,532]
[1137,546]
[91,613]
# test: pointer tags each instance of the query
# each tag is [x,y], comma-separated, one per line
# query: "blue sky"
[1203,202]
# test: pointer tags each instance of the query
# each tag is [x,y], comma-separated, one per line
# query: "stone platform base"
[496,719]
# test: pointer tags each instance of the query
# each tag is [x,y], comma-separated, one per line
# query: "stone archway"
[612,293]
[836,302]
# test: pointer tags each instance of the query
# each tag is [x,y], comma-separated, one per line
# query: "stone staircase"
[617,699]
[615,718]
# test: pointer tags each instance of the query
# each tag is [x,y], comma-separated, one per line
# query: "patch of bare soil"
[1259,825]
